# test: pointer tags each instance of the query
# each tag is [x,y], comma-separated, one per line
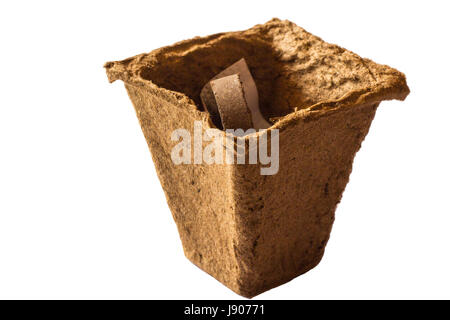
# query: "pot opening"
[285,81]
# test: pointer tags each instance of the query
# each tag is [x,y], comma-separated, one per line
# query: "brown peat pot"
[250,231]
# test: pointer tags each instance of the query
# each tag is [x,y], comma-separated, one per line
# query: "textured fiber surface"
[253,232]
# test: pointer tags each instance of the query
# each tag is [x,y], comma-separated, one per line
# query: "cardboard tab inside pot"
[231,104]
[250,95]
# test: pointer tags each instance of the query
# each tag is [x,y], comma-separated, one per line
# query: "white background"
[82,213]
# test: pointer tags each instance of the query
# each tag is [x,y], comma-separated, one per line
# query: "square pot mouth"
[297,74]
